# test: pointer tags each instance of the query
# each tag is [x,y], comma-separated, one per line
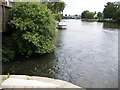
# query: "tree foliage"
[33,28]
[117,16]
[56,8]
[99,15]
[57,17]
[109,10]
[112,11]
[87,15]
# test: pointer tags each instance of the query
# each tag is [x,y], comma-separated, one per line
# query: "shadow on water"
[39,65]
[111,26]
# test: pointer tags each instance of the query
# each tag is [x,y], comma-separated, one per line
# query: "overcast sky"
[77,6]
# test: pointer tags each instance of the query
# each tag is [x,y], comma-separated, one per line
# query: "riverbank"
[90,20]
[97,20]
[110,21]
[24,81]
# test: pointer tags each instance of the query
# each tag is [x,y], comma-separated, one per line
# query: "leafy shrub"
[33,28]
[57,17]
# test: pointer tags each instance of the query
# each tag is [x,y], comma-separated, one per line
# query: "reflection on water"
[111,25]
[86,55]
[34,65]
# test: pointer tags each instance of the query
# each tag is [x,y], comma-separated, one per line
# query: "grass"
[4,78]
[111,21]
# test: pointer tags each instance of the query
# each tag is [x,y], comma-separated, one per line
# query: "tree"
[99,15]
[87,15]
[83,15]
[66,15]
[56,7]
[76,15]
[110,10]
[33,28]
[117,16]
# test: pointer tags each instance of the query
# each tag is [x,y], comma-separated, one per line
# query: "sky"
[74,7]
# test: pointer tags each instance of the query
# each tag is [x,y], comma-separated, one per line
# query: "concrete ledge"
[24,81]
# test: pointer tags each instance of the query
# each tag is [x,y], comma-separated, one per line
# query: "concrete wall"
[1,18]
[4,18]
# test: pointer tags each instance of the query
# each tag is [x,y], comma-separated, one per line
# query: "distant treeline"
[72,16]
[111,13]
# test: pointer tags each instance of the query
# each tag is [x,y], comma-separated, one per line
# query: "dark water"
[87,56]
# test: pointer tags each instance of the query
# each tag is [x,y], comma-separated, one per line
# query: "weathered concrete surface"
[0,18]
[23,81]
[4,18]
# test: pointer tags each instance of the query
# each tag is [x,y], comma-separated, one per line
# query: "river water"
[86,55]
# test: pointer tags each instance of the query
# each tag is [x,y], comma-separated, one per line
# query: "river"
[86,55]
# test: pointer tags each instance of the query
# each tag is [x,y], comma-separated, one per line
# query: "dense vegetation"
[100,15]
[109,10]
[33,31]
[112,11]
[87,15]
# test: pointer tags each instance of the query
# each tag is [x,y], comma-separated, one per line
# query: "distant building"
[117,3]
[3,2]
[7,2]
[11,2]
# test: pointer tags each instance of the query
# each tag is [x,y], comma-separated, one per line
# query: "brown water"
[87,56]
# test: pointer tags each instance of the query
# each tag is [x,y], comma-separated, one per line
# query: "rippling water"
[86,55]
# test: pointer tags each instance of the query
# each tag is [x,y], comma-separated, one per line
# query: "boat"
[62,25]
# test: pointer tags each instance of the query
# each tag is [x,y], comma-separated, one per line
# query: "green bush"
[33,28]
[57,17]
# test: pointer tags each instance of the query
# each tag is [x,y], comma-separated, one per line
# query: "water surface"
[86,55]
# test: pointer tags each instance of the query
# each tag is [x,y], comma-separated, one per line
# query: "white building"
[117,3]
[6,2]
